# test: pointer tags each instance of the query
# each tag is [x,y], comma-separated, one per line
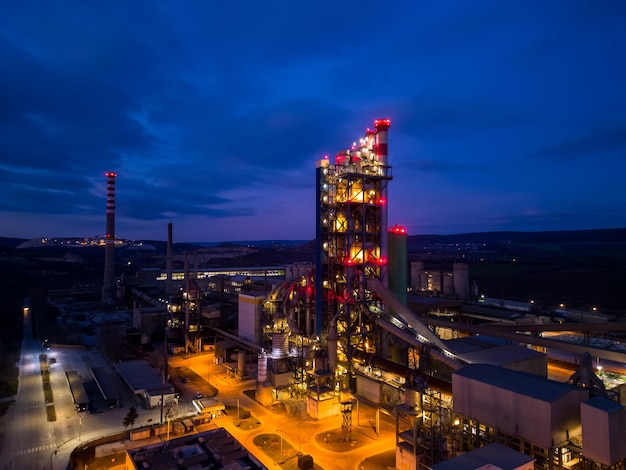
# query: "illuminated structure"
[108,285]
[323,325]
[351,236]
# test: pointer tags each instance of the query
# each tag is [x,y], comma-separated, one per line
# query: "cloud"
[610,140]
[215,114]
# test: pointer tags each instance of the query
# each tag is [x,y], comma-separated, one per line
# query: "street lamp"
[281,443]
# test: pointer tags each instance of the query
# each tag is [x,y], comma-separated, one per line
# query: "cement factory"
[344,330]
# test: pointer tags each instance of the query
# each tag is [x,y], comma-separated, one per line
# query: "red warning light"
[398,229]
[382,123]
[382,201]
[110,173]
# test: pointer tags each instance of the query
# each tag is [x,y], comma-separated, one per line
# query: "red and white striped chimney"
[169,261]
[382,128]
[108,285]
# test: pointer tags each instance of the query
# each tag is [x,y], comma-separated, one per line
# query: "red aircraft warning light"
[384,123]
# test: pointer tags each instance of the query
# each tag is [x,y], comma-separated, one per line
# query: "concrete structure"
[460,278]
[475,350]
[398,268]
[295,271]
[211,407]
[450,284]
[216,448]
[491,457]
[151,319]
[536,415]
[251,271]
[604,430]
[250,316]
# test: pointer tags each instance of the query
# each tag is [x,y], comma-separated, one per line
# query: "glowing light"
[398,229]
[382,122]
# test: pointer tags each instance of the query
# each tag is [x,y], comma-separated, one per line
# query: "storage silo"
[460,272]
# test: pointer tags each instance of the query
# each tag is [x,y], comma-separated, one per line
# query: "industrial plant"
[465,387]
[342,330]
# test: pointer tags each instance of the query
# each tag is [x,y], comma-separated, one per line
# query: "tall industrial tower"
[108,286]
[351,235]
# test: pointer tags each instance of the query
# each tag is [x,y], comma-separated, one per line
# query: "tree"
[130,417]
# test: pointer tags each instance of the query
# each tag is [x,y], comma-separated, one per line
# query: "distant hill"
[414,241]
[565,236]
[11,242]
[256,243]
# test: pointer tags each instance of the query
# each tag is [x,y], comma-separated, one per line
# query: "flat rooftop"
[522,383]
[491,456]
[212,449]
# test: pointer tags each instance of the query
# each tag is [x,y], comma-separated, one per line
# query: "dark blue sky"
[506,115]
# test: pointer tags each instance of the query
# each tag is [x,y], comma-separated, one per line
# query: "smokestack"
[108,286]
[168,266]
[381,143]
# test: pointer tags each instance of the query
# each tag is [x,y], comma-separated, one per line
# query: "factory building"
[451,284]
[144,382]
[212,449]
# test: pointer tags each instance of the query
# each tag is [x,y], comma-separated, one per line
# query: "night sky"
[506,115]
